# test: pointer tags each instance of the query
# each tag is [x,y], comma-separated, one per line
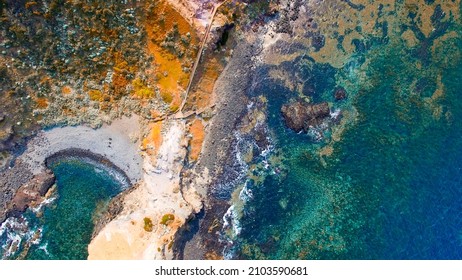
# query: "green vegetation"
[148,224]
[166,219]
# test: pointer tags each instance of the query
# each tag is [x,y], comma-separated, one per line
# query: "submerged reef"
[350,190]
[247,129]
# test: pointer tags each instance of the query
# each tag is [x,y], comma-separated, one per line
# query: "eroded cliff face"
[78,63]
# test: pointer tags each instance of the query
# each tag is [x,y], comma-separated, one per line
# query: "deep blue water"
[392,189]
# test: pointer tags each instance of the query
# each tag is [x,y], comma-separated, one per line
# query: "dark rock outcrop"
[340,93]
[108,214]
[43,182]
[300,115]
[11,180]
[29,194]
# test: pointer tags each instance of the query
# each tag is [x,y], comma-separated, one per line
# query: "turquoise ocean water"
[65,225]
[392,188]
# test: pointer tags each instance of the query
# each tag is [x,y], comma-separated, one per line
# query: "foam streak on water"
[16,234]
[61,226]
[231,220]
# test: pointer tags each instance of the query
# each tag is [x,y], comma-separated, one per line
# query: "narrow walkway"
[199,55]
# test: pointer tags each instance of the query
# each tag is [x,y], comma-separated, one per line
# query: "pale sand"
[118,142]
[194,12]
[158,191]
[157,195]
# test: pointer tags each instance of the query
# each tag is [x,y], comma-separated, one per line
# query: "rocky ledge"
[300,115]
[21,192]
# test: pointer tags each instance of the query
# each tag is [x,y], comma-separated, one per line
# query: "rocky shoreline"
[33,190]
[165,182]
[218,157]
[19,189]
[92,158]
[116,204]
[28,180]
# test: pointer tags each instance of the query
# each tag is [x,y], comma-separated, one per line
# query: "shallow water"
[392,187]
[64,227]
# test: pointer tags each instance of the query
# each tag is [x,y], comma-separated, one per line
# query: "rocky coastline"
[203,238]
[153,152]
[21,189]
[33,189]
[26,183]
[92,158]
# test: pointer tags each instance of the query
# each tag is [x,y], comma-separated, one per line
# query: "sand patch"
[118,142]
[158,195]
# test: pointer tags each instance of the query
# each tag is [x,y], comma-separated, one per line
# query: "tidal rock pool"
[62,226]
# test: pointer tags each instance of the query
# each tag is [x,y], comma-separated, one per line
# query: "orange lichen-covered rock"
[155,114]
[153,140]
[119,84]
[170,41]
[213,256]
[141,90]
[30,4]
[42,103]
[66,90]
[200,97]
[197,131]
[95,95]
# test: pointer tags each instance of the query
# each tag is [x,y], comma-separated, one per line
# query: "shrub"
[148,224]
[166,219]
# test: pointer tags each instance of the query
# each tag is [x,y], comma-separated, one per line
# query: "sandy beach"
[118,142]
[155,194]
[157,200]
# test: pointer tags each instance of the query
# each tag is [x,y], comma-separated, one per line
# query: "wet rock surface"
[30,193]
[19,188]
[215,161]
[300,115]
[114,208]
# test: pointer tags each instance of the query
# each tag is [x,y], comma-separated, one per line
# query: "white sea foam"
[241,167]
[18,233]
[267,151]
[246,194]
[13,233]
[231,218]
[44,247]
[45,202]
[228,254]
[335,114]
